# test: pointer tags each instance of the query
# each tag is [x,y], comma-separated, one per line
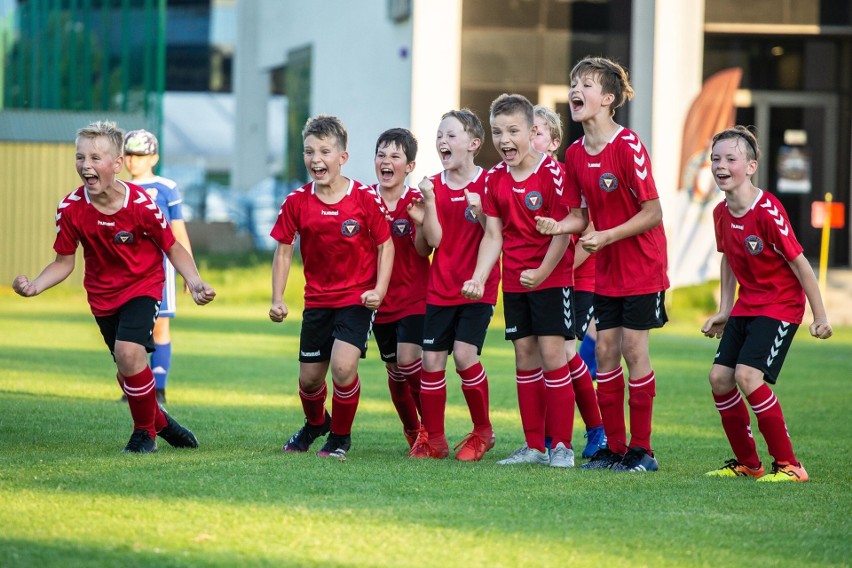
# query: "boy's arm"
[202,293]
[581,255]
[420,244]
[431,226]
[574,223]
[182,236]
[820,329]
[715,325]
[372,299]
[52,274]
[532,277]
[649,216]
[490,248]
[281,261]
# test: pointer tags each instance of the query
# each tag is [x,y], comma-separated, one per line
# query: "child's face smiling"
[586,97]
[323,158]
[511,135]
[730,164]
[97,164]
[542,140]
[454,143]
[392,166]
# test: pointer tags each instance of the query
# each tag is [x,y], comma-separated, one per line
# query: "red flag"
[713,110]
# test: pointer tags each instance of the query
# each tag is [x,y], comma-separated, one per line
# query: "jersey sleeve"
[636,167]
[775,225]
[490,206]
[572,196]
[376,215]
[287,225]
[156,226]
[67,237]
[718,220]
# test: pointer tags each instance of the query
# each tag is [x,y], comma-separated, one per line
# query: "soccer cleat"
[474,445]
[141,442]
[412,435]
[301,441]
[560,456]
[603,459]
[733,468]
[336,446]
[176,435]
[785,472]
[161,396]
[596,441]
[123,398]
[637,459]
[526,454]
[426,448]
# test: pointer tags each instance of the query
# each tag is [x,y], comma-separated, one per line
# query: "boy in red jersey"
[347,255]
[547,139]
[453,226]
[536,280]
[760,252]
[124,235]
[398,326]
[610,168]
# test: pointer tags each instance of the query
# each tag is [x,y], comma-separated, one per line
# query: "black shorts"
[759,342]
[444,325]
[322,326]
[133,322]
[584,311]
[388,335]
[646,311]
[539,312]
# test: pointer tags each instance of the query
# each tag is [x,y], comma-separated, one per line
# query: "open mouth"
[577,104]
[509,154]
[387,174]
[90,179]
[445,154]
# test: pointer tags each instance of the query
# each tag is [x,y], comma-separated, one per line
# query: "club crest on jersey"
[401,227]
[754,245]
[533,201]
[123,238]
[608,182]
[350,228]
[468,214]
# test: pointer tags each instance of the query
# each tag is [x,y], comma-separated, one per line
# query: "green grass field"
[70,497]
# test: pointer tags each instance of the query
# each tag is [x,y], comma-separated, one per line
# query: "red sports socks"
[403,401]
[737,425]
[344,405]
[531,403]
[641,402]
[611,402]
[474,385]
[411,374]
[313,403]
[559,405]
[770,421]
[433,399]
[142,400]
[584,393]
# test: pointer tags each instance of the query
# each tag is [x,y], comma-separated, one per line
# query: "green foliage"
[72,498]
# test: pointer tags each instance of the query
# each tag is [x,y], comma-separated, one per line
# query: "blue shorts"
[168,305]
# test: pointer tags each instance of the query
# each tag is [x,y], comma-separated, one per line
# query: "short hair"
[752,150]
[471,123]
[325,126]
[551,119]
[105,129]
[613,78]
[513,104]
[401,137]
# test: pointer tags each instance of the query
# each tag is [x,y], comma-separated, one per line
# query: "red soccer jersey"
[517,203]
[584,275]
[337,241]
[759,246]
[454,261]
[407,289]
[615,183]
[123,252]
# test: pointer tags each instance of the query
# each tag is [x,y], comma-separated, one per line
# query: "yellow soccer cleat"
[786,472]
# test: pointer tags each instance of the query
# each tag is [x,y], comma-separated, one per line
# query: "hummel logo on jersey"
[123,238]
[515,189]
[428,341]
[533,201]
[513,329]
[350,228]
[735,226]
[455,199]
[593,165]
[754,245]
[106,223]
[608,182]
[309,353]
[324,212]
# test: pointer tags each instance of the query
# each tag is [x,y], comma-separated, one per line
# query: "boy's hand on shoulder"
[821,329]
[472,290]
[474,201]
[24,287]
[203,294]
[714,326]
[427,188]
[278,312]
[371,300]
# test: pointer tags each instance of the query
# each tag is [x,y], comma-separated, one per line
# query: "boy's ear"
[608,99]
[475,143]
[344,157]
[118,164]
[155,159]
[409,167]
